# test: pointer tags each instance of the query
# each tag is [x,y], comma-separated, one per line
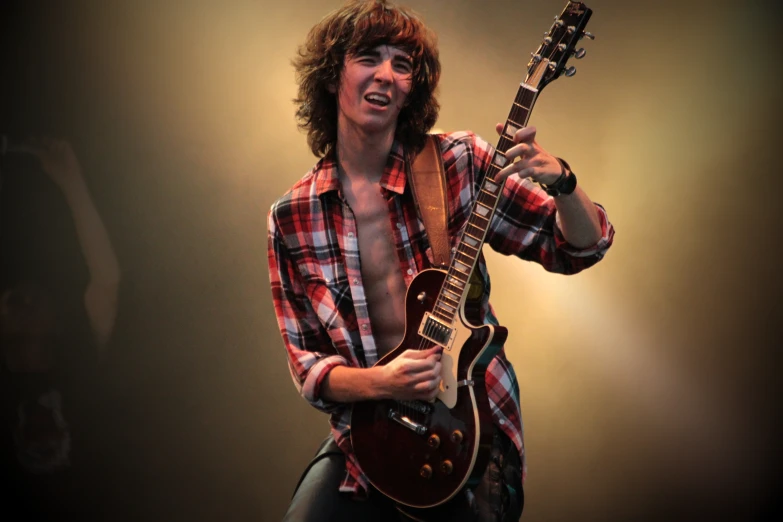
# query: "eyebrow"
[374,53]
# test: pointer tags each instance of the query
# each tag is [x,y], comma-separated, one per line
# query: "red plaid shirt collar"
[327,177]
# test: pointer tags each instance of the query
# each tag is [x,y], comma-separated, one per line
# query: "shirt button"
[364,327]
[350,234]
[399,225]
[501,422]
[410,272]
[355,281]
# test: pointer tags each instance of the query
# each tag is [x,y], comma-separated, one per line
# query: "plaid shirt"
[316,278]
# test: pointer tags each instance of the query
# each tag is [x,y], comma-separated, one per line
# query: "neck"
[363,156]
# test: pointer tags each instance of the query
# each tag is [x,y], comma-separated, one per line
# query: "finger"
[499,128]
[521,150]
[415,368]
[525,134]
[423,354]
[520,168]
[428,386]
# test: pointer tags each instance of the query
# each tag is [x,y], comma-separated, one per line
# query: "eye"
[403,67]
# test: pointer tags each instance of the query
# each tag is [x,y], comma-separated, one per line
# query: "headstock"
[559,44]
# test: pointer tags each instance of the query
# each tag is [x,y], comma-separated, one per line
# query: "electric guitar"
[421,453]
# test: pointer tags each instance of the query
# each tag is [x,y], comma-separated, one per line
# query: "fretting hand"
[532,161]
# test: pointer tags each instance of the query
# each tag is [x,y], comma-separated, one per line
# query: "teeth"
[378,98]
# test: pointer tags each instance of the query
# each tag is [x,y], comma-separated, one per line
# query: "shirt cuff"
[311,387]
[599,248]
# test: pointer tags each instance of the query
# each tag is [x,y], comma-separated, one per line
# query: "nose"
[384,73]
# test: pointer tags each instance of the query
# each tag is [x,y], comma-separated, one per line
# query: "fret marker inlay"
[500,160]
[491,187]
[510,130]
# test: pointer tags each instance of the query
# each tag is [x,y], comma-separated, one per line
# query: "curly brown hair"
[357,26]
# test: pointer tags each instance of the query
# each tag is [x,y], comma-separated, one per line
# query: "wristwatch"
[565,184]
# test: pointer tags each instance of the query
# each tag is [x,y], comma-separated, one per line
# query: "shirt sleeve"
[525,223]
[306,341]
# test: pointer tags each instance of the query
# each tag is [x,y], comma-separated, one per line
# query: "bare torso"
[384,285]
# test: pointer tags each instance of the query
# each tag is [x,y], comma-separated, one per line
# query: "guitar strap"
[428,185]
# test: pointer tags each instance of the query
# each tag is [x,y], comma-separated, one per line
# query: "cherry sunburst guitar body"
[420,453]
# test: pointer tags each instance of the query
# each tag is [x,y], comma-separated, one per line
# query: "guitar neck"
[463,263]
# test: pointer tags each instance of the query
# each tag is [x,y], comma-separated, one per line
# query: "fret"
[468,246]
[490,187]
[480,231]
[449,308]
[489,194]
[448,297]
[515,123]
[460,266]
[480,217]
[444,296]
[482,209]
[499,160]
[468,255]
[504,143]
[459,288]
[466,274]
[464,258]
[454,274]
[442,315]
[511,130]
[470,240]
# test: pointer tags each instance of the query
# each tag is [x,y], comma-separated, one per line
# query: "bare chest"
[382,278]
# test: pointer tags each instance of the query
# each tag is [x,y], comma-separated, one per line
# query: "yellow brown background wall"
[648,383]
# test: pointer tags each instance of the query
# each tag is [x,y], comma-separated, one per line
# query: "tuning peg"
[570,71]
[588,35]
[579,53]
[536,57]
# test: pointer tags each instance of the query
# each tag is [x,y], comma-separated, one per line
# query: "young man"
[346,240]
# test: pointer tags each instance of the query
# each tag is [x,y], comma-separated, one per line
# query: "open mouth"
[378,100]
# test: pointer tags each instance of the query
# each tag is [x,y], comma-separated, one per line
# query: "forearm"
[92,235]
[578,219]
[346,384]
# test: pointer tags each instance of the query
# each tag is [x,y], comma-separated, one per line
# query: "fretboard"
[467,253]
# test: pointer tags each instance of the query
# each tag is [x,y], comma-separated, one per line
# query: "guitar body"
[421,454]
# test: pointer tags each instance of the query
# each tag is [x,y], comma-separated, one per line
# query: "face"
[374,85]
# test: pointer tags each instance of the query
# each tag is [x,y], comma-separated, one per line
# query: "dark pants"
[498,498]
[317,497]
